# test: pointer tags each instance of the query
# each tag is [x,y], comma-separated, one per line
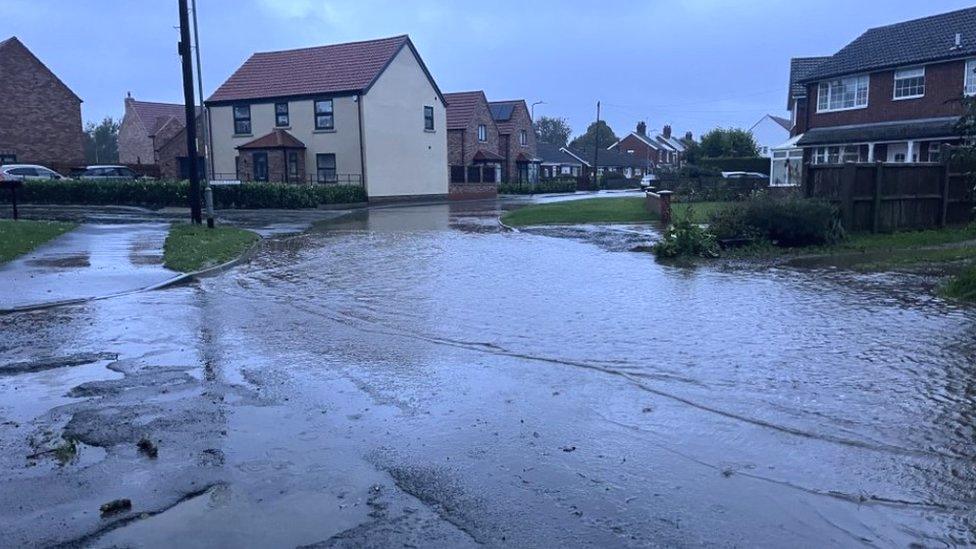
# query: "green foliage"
[20,237]
[190,248]
[591,210]
[686,238]
[736,164]
[720,143]
[962,286]
[555,131]
[785,222]
[542,187]
[102,142]
[160,194]
[587,141]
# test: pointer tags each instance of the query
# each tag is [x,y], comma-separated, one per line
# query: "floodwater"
[418,376]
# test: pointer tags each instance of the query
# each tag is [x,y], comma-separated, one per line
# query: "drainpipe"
[362,146]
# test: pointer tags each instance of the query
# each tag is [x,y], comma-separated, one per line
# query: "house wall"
[40,118]
[343,141]
[402,158]
[135,145]
[508,145]
[943,89]
[641,150]
[482,115]
[170,145]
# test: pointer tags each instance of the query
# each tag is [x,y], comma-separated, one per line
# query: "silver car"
[27,172]
[108,173]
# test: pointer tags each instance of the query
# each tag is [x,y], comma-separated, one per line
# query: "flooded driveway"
[416,376]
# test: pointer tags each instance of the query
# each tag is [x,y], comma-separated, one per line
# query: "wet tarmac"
[421,377]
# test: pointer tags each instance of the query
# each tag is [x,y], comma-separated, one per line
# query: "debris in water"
[728,473]
[116,506]
[569,448]
[147,447]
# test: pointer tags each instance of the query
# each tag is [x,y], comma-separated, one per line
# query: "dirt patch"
[67,262]
[51,363]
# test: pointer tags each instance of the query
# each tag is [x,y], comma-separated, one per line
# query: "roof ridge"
[134,100]
[320,46]
[916,20]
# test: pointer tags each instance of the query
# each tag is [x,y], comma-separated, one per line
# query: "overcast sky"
[695,64]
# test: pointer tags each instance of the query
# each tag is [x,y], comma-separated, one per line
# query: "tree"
[555,131]
[587,141]
[719,143]
[102,141]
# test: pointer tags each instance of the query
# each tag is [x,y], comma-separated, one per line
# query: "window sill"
[282,127]
[325,131]
[907,97]
[236,135]
[827,111]
[430,131]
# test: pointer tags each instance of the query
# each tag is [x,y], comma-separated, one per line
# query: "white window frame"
[906,74]
[825,86]
[482,133]
[969,79]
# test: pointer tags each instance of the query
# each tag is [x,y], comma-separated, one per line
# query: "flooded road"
[417,376]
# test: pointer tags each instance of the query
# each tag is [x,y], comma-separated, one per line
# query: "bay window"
[910,83]
[843,94]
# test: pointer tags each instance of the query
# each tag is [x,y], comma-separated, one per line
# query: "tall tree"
[102,141]
[555,131]
[732,142]
[588,139]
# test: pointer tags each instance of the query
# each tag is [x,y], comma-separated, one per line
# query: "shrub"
[684,238]
[160,194]
[787,222]
[962,286]
[546,186]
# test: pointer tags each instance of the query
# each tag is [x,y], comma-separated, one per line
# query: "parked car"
[648,180]
[744,175]
[27,172]
[108,173]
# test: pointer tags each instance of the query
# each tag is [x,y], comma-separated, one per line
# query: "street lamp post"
[532,109]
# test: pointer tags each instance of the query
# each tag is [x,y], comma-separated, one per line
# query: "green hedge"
[729,164]
[542,187]
[160,194]
[786,222]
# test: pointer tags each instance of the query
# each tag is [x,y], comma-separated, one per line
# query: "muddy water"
[416,375]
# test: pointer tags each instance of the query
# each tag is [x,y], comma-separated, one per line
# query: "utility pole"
[205,119]
[191,114]
[596,150]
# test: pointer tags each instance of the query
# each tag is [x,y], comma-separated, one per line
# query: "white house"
[360,113]
[770,132]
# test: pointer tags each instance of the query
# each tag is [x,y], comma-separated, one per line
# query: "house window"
[827,155]
[970,77]
[242,120]
[523,138]
[910,83]
[843,94]
[292,165]
[324,119]
[429,119]
[281,115]
[482,133]
[934,149]
[325,165]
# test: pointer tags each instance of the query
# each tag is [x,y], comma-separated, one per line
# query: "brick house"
[654,150]
[893,94]
[364,113]
[516,141]
[40,117]
[472,140]
[155,133]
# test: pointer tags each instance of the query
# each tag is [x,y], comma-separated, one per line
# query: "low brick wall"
[472,191]
[659,203]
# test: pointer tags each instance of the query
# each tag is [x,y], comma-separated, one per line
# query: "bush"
[787,222]
[684,238]
[546,186]
[161,194]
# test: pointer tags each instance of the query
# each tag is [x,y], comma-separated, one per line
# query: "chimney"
[641,128]
[667,131]
[689,137]
[958,43]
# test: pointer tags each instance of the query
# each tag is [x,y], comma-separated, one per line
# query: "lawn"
[191,248]
[20,237]
[963,286]
[600,210]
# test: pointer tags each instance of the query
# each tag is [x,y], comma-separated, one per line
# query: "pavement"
[94,260]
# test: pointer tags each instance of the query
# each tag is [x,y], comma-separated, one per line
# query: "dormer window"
[910,83]
[843,94]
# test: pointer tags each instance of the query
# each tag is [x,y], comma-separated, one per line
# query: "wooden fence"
[887,197]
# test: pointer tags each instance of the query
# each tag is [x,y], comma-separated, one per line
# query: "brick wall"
[508,145]
[641,150]
[943,89]
[135,145]
[40,118]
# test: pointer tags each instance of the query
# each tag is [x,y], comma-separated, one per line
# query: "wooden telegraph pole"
[196,216]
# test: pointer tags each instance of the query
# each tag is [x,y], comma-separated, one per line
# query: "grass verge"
[191,248]
[601,210]
[962,286]
[20,237]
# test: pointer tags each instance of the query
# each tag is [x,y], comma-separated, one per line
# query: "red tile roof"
[461,107]
[277,139]
[154,115]
[335,68]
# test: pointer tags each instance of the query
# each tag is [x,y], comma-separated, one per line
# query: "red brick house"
[516,141]
[893,94]
[472,142]
[40,117]
[155,133]
[654,151]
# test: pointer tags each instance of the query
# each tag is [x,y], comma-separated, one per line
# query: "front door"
[523,172]
[260,166]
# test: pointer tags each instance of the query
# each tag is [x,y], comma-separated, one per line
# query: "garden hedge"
[161,194]
[549,186]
